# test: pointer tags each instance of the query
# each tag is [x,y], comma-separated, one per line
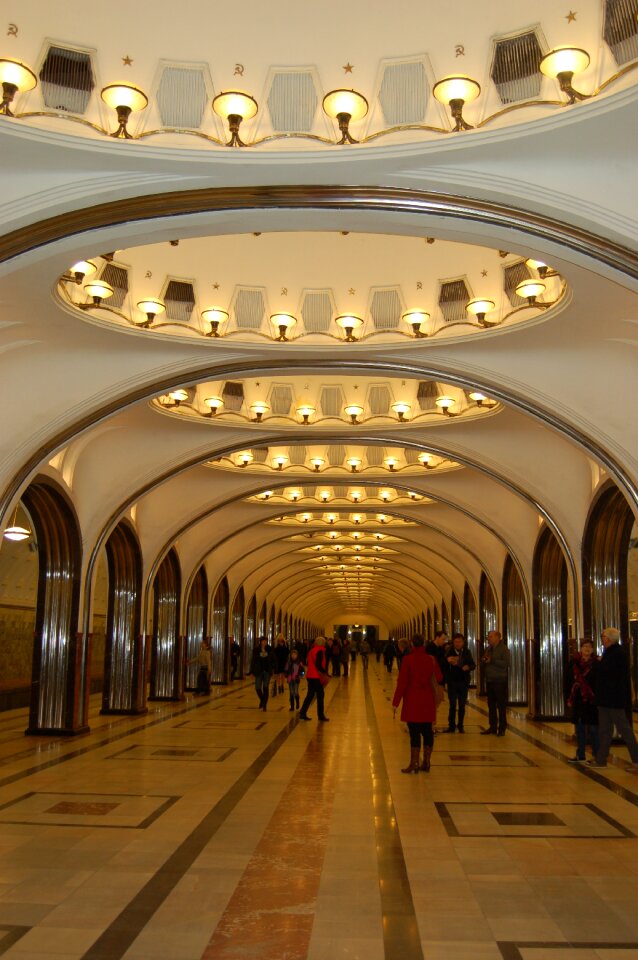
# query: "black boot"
[292,704]
[264,701]
[261,698]
[297,702]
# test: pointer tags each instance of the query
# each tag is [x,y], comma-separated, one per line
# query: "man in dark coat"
[613,695]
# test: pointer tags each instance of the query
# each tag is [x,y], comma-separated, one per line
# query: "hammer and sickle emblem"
[148,274]
[13,30]
[460,50]
[239,70]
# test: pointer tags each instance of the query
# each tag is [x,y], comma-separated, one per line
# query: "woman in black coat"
[582,699]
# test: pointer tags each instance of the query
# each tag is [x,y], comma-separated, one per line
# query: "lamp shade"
[477,397]
[354,410]
[354,461]
[83,269]
[445,403]
[479,307]
[564,60]
[243,458]
[283,320]
[305,411]
[214,403]
[214,315]
[401,408]
[235,103]
[259,408]
[416,317]
[124,95]
[99,289]
[349,322]
[151,307]
[535,264]
[317,462]
[280,460]
[18,75]
[530,288]
[390,462]
[347,102]
[179,395]
[17,533]
[456,88]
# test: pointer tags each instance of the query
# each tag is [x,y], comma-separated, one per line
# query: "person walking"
[262,667]
[460,664]
[364,651]
[235,653]
[613,696]
[419,671]
[281,652]
[205,660]
[389,653]
[294,673]
[583,668]
[497,665]
[335,657]
[345,656]
[317,677]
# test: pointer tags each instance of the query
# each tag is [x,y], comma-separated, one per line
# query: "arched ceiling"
[435,498]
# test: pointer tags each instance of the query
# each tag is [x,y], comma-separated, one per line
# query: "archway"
[550,627]
[515,631]
[196,620]
[167,647]
[124,690]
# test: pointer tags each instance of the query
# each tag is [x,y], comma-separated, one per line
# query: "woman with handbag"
[419,688]
[317,677]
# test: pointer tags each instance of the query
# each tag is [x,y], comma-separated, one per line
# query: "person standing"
[281,653]
[497,665]
[262,667]
[582,699]
[419,671]
[316,672]
[335,657]
[235,653]
[294,673]
[460,664]
[613,696]
[345,656]
[389,653]
[436,648]
[204,659]
[364,650]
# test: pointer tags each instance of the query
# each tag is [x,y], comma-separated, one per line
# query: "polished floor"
[209,829]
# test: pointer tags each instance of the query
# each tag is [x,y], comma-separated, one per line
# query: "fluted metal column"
[196,618]
[515,632]
[469,622]
[167,650]
[219,634]
[550,626]
[124,690]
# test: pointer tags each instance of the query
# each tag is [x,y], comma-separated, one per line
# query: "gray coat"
[498,667]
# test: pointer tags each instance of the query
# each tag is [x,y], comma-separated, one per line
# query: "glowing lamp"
[401,408]
[344,106]
[259,408]
[530,290]
[125,99]
[479,307]
[305,412]
[213,404]
[415,319]
[14,76]
[445,404]
[456,92]
[99,290]
[280,461]
[235,106]
[354,463]
[151,308]
[83,269]
[561,64]
[354,410]
[215,317]
[348,324]
[283,322]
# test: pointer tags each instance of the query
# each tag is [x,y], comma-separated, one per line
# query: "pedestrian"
[460,664]
[583,668]
[419,672]
[294,673]
[335,657]
[378,649]
[345,656]
[403,647]
[281,652]
[497,665]
[389,653]
[613,696]
[364,651]
[235,652]
[437,649]
[262,667]
[317,677]
[205,660]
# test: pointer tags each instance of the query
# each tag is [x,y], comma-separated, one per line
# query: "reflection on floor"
[208,829]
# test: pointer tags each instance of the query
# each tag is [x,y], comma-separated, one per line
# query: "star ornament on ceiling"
[483,273]
[215,286]
[127,61]
[348,68]
[352,292]
[571,16]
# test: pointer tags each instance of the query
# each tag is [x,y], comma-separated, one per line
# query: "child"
[294,673]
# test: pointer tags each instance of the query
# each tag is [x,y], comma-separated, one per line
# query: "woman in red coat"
[415,688]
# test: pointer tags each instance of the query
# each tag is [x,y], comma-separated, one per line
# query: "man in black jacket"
[459,664]
[613,695]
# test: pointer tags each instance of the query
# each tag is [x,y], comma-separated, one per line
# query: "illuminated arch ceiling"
[90,416]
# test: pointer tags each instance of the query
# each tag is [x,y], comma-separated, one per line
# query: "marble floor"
[210,829]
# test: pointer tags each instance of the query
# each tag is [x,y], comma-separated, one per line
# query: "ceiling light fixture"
[325,494]
[14,76]
[244,458]
[479,307]
[354,463]
[178,396]
[456,92]
[99,290]
[354,410]
[280,461]
[561,64]
[391,463]
[213,404]
[259,408]
[445,404]
[426,460]
[124,98]
[150,308]
[305,412]
[215,317]
[344,106]
[416,319]
[538,265]
[82,269]
[14,531]
[235,106]
[295,495]
[283,322]
[529,290]
[348,323]
[401,408]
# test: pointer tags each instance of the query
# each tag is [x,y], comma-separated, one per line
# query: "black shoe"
[302,717]
[485,733]
[575,760]
[501,733]
[448,730]
[461,730]
[324,719]
[291,709]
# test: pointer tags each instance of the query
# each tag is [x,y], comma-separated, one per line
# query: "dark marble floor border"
[582,768]
[113,943]
[511,949]
[12,934]
[142,825]
[401,937]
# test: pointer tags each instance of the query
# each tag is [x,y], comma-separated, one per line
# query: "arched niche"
[456,614]
[196,620]
[445,618]
[470,623]
[604,551]
[514,631]
[19,573]
[219,633]
[271,625]
[429,630]
[488,620]
[167,646]
[123,690]
[251,632]
[238,628]
[262,622]
[59,683]
[550,628]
